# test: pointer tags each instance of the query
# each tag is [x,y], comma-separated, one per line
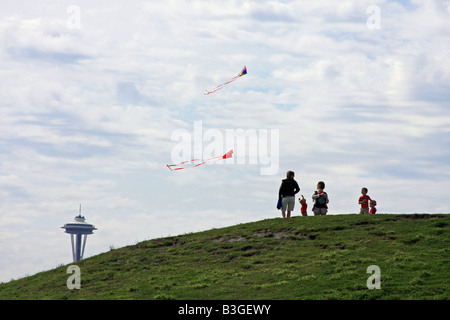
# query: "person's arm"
[297,188]
[280,190]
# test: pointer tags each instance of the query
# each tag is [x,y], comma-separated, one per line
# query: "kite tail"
[220,86]
[214,90]
[231,80]
[191,163]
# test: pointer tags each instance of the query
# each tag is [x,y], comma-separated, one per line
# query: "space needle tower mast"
[78,230]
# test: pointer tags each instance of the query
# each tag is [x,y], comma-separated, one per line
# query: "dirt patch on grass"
[225,239]
[418,216]
[284,235]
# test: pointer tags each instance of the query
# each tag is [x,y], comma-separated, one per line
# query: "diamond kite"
[220,86]
[197,162]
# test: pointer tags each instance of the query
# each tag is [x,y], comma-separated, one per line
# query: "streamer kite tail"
[220,86]
[197,162]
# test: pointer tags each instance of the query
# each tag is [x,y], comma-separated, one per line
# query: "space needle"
[78,230]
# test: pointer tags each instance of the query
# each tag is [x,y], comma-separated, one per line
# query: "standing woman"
[289,187]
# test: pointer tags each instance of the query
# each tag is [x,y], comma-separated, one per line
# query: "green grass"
[323,257]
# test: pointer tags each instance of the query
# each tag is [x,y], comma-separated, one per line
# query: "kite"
[197,162]
[220,86]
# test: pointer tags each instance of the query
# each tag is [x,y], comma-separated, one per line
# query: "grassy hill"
[323,257]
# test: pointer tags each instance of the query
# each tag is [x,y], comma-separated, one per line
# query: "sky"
[97,97]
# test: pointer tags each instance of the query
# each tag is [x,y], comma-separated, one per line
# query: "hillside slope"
[323,257]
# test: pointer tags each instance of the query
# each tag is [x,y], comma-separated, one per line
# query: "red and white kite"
[198,162]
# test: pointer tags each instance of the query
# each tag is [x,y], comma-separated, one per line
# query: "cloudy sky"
[96,97]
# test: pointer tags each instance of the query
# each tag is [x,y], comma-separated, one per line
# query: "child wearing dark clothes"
[320,199]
